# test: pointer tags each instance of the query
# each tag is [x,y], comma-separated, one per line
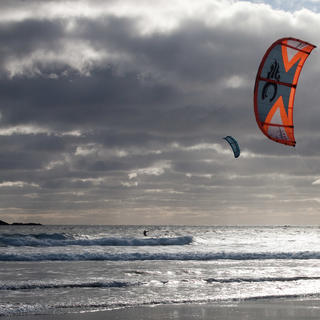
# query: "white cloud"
[150,17]
[132,175]
[18,184]
[207,176]
[156,169]
[237,81]
[167,191]
[35,129]
[74,133]
[130,184]
[94,181]
[78,55]
[316,182]
[23,129]
[86,150]
[55,163]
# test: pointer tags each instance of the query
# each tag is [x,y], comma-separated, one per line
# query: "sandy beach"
[264,309]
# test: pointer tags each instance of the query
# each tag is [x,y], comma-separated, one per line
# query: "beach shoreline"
[262,309]
[86,272]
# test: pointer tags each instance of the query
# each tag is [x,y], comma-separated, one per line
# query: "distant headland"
[3,223]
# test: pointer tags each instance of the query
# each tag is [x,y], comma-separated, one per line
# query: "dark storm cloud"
[23,37]
[99,99]
[73,99]
[192,54]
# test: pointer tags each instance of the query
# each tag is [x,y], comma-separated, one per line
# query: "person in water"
[145,232]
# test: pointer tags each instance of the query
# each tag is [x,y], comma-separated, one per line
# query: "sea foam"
[139,256]
[54,240]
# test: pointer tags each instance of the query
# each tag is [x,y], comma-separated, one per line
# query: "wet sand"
[264,309]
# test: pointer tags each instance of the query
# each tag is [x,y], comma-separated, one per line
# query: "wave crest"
[59,239]
[139,256]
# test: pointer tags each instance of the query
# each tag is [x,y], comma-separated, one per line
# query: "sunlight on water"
[101,267]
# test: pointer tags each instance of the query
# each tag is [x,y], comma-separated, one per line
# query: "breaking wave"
[60,239]
[41,285]
[139,256]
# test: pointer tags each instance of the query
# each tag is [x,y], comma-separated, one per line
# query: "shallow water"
[47,269]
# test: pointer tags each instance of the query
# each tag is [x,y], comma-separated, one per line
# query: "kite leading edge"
[234,145]
[275,88]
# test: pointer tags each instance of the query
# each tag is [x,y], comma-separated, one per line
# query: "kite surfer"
[145,232]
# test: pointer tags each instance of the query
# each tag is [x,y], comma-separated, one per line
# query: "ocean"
[63,269]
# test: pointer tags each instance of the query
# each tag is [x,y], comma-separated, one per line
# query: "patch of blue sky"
[291,5]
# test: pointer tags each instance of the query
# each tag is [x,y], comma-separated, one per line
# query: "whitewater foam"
[52,240]
[41,285]
[139,256]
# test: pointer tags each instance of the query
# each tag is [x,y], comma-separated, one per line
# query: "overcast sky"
[113,112]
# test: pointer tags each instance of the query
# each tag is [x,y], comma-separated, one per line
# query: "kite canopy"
[275,88]
[234,145]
